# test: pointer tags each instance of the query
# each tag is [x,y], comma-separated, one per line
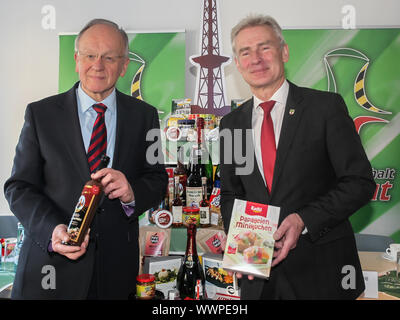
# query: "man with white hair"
[60,145]
[308,160]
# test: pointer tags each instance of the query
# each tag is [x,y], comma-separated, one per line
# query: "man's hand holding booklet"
[250,243]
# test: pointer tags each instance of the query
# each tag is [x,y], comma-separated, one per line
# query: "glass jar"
[191,215]
[145,286]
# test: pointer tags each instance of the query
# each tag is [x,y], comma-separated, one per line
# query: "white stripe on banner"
[311,71]
[378,142]
[386,224]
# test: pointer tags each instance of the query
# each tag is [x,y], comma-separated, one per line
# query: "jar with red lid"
[145,286]
[191,215]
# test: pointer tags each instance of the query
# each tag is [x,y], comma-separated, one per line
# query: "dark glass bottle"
[191,280]
[180,172]
[204,157]
[86,208]
[194,186]
[177,206]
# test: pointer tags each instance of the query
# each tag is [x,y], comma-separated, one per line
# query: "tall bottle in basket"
[191,279]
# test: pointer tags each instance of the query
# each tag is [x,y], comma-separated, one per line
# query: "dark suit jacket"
[49,171]
[321,173]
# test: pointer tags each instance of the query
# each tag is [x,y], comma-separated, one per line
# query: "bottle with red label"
[86,208]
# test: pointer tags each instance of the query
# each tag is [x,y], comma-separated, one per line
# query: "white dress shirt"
[277,112]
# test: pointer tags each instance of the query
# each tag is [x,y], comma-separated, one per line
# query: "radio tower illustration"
[210,96]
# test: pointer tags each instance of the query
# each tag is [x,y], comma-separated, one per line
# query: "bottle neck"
[195,166]
[179,163]
[200,131]
[191,248]
[180,167]
[204,186]
[176,188]
[180,160]
[104,162]
[199,134]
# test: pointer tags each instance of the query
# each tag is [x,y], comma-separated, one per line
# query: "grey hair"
[94,22]
[254,21]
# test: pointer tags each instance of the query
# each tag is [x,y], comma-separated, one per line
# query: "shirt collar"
[86,101]
[279,96]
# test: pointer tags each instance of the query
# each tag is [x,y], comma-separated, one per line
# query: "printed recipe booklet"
[250,245]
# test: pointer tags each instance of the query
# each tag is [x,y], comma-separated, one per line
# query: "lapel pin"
[291,111]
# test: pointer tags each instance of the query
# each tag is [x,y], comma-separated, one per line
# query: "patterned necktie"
[268,146]
[98,140]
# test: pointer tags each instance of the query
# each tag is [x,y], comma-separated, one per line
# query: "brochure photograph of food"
[250,245]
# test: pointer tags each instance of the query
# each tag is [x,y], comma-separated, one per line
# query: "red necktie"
[98,140]
[268,147]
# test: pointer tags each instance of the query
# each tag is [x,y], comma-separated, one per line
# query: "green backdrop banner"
[361,65]
[155,74]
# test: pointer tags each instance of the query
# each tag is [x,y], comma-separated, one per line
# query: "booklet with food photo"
[250,245]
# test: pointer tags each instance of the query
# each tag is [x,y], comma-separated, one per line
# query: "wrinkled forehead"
[260,34]
[101,37]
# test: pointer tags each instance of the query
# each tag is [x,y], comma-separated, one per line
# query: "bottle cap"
[191,209]
[104,161]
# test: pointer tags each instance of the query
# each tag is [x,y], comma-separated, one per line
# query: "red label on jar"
[163,219]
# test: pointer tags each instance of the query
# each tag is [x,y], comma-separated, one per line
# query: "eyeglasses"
[92,57]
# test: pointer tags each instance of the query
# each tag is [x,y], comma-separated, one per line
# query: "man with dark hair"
[308,160]
[60,142]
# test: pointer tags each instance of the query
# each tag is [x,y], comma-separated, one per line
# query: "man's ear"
[124,67]
[76,58]
[285,53]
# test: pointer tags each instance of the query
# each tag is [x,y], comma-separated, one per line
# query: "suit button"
[324,231]
[100,210]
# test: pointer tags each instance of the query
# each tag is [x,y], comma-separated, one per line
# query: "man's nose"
[255,57]
[98,63]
